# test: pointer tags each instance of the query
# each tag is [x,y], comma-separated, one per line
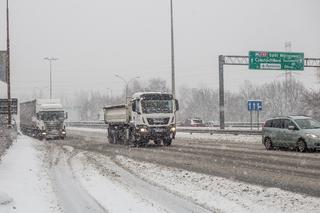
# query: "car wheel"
[268,144]
[301,146]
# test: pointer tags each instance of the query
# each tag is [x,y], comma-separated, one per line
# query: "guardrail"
[207,130]
[219,131]
[88,124]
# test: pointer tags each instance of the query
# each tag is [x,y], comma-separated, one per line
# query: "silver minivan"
[295,132]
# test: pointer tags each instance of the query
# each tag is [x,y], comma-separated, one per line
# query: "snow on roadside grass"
[106,190]
[254,139]
[24,183]
[221,193]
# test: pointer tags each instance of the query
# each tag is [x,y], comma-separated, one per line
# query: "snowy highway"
[238,157]
[215,173]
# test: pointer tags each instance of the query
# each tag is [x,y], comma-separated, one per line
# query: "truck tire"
[142,142]
[132,138]
[157,142]
[114,138]
[167,142]
[110,135]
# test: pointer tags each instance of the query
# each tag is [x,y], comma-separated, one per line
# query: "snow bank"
[221,193]
[221,137]
[5,140]
[254,139]
[24,183]
[107,191]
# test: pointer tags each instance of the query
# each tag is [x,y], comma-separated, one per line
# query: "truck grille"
[158,121]
[53,126]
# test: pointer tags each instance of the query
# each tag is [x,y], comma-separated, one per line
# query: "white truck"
[43,119]
[148,116]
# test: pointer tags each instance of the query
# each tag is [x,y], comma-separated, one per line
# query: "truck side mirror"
[66,115]
[177,104]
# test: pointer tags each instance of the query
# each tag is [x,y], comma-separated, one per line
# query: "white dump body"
[49,105]
[116,114]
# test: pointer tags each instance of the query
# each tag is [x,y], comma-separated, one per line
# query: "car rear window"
[268,123]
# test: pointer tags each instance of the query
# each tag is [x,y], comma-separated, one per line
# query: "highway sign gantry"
[262,60]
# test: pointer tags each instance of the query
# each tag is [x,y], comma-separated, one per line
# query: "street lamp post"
[50,62]
[8,69]
[173,86]
[126,84]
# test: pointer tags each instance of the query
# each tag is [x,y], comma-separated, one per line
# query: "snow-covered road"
[43,176]
[70,193]
[39,176]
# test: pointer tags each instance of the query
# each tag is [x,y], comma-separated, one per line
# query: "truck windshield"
[157,106]
[52,116]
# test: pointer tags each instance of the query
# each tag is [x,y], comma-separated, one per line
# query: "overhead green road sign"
[262,60]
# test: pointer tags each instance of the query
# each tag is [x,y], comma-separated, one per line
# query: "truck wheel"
[157,142]
[110,137]
[167,142]
[142,143]
[114,138]
[132,139]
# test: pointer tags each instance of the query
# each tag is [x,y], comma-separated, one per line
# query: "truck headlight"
[172,129]
[312,135]
[143,129]
[44,133]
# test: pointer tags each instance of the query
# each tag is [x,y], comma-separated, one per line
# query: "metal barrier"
[207,130]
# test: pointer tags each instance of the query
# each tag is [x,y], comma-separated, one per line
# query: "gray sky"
[95,39]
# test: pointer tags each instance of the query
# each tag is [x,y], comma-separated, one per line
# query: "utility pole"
[173,85]
[50,62]
[8,69]
[221,91]
[288,78]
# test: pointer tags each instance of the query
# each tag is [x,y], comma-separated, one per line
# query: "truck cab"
[154,115]
[43,119]
[148,116]
[50,119]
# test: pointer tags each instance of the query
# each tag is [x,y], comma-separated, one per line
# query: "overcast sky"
[95,39]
